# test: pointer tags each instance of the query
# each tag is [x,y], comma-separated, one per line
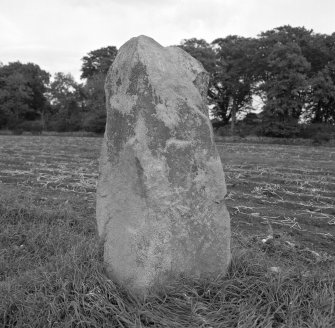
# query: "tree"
[321,105]
[314,47]
[15,96]
[94,69]
[22,92]
[233,81]
[95,93]
[228,61]
[321,98]
[287,82]
[95,119]
[284,71]
[66,98]
[63,89]
[98,62]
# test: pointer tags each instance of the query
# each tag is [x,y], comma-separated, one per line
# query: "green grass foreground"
[52,275]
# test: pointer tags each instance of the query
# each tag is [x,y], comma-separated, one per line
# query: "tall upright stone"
[161,189]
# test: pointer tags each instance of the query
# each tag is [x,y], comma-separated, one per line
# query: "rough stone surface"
[160,197]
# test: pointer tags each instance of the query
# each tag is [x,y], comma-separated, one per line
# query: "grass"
[52,276]
[281,201]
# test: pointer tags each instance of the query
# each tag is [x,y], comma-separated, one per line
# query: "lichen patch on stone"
[178,143]
[123,103]
[167,114]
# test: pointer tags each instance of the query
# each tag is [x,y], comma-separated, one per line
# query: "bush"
[3,120]
[321,137]
[216,123]
[59,125]
[35,127]
[310,131]
[223,131]
[17,131]
[95,122]
[74,123]
[251,119]
[62,123]
[279,129]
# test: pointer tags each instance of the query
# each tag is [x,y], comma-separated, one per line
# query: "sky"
[56,34]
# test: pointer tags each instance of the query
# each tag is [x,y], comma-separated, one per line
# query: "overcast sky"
[56,34]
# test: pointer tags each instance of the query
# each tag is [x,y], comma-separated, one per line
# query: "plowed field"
[288,191]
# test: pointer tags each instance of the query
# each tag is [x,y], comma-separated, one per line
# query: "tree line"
[289,70]
[31,100]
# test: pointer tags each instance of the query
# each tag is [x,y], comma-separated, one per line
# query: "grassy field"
[282,205]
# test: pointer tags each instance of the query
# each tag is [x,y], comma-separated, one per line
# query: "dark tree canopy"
[294,73]
[321,100]
[233,80]
[290,68]
[94,68]
[286,84]
[22,92]
[98,62]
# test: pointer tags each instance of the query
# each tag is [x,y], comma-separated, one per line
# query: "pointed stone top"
[143,40]
[170,59]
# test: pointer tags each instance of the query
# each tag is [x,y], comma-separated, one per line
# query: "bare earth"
[287,190]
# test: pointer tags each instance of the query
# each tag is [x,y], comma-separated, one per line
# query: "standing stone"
[160,197]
